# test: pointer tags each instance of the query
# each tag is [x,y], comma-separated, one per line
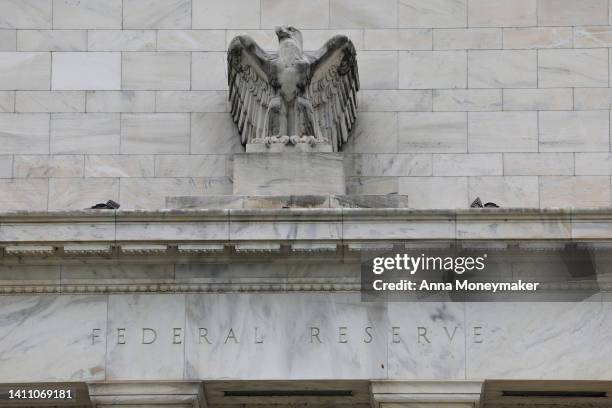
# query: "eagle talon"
[311,140]
[294,140]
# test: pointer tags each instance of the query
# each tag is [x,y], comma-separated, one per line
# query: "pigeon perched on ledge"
[109,205]
[477,203]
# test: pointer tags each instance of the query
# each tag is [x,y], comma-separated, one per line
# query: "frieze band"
[313,334]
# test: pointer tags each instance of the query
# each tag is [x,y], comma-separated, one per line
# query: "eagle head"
[286,32]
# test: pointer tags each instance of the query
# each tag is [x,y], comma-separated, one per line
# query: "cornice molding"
[282,236]
[281,232]
[296,213]
[293,213]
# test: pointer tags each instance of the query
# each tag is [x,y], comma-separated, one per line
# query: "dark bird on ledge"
[477,203]
[292,96]
[109,205]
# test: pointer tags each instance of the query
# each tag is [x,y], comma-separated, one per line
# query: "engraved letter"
[203,334]
[231,335]
[369,334]
[144,335]
[176,336]
[94,335]
[395,334]
[478,335]
[342,335]
[258,339]
[422,332]
[451,336]
[120,336]
[314,332]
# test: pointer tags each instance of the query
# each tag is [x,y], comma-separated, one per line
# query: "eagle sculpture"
[293,96]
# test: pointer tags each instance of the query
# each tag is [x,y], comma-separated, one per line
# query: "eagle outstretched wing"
[333,88]
[250,89]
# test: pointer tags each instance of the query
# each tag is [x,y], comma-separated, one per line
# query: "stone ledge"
[290,226]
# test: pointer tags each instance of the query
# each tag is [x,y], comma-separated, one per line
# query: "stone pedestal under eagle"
[292,96]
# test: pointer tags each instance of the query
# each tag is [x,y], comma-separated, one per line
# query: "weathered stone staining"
[293,97]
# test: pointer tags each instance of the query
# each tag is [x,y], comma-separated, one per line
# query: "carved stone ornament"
[291,96]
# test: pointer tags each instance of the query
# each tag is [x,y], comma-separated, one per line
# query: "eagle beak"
[281,33]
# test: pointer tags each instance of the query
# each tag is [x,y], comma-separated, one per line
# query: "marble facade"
[230,279]
[470,97]
[257,299]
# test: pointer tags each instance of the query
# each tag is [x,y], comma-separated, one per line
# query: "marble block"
[145,338]
[426,340]
[539,341]
[288,174]
[42,338]
[239,336]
